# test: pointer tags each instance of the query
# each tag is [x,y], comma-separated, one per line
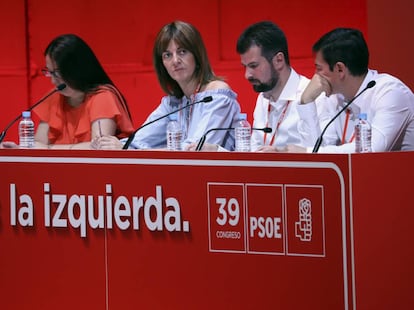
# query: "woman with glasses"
[185,74]
[88,107]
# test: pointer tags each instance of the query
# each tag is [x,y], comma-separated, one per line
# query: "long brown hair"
[188,37]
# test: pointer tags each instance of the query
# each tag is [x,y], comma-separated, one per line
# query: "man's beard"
[269,85]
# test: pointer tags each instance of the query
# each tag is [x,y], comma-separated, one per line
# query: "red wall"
[13,79]
[122,34]
[390,31]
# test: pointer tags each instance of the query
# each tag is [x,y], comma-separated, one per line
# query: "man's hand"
[316,86]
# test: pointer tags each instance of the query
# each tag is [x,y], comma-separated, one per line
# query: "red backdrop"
[122,34]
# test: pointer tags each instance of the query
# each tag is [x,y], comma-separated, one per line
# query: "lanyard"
[348,113]
[279,122]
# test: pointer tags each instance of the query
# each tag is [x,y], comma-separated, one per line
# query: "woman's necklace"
[189,111]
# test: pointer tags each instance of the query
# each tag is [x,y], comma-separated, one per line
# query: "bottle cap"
[173,117]
[26,113]
[242,116]
[362,116]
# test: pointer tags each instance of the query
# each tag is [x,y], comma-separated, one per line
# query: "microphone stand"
[58,88]
[320,138]
[203,138]
[131,137]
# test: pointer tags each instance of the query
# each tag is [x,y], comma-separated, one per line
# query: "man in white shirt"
[341,61]
[264,54]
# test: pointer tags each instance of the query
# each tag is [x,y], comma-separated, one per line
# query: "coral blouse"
[71,125]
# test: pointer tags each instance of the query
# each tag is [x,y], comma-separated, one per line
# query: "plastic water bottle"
[363,135]
[26,131]
[174,134]
[243,133]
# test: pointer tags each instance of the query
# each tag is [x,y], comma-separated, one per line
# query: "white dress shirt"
[390,109]
[280,115]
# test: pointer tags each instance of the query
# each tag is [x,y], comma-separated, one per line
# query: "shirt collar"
[289,91]
[355,107]
[291,87]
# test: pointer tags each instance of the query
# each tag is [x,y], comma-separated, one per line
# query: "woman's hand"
[106,143]
[8,145]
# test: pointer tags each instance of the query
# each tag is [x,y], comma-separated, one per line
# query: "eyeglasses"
[48,73]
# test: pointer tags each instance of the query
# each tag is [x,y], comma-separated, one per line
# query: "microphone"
[265,129]
[319,141]
[131,137]
[58,88]
[203,138]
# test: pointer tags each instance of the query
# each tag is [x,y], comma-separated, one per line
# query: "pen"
[100,129]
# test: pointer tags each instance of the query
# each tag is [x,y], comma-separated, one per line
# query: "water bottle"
[26,131]
[174,134]
[362,134]
[243,132]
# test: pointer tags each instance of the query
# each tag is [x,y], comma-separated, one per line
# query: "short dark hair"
[266,35]
[345,45]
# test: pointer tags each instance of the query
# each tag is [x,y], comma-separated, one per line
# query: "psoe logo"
[303,228]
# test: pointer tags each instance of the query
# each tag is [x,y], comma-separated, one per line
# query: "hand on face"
[316,86]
